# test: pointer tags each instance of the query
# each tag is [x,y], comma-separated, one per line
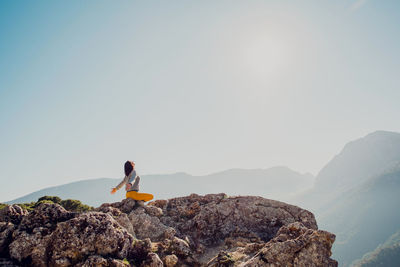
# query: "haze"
[194,87]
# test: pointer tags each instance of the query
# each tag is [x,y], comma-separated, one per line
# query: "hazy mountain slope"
[365,217]
[385,255]
[277,182]
[91,192]
[356,195]
[359,161]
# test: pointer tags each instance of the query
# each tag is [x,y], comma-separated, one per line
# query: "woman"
[131,182]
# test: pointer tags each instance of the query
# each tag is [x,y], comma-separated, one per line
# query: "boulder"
[119,216]
[126,205]
[209,220]
[6,230]
[99,261]
[170,260]
[13,214]
[92,233]
[31,237]
[147,225]
[153,261]
[294,246]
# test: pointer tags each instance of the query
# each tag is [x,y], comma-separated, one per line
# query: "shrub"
[75,205]
[42,201]
[28,206]
[53,199]
[68,204]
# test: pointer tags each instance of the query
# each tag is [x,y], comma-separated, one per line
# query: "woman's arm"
[135,185]
[121,184]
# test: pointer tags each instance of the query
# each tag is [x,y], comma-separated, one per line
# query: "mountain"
[385,255]
[356,195]
[91,191]
[277,182]
[364,217]
[211,231]
[359,161]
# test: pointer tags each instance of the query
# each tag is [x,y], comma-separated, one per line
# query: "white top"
[132,179]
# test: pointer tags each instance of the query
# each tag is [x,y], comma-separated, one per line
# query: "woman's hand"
[128,186]
[113,190]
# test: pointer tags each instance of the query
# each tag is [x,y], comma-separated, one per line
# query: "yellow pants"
[139,196]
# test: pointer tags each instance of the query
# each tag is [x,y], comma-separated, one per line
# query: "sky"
[189,86]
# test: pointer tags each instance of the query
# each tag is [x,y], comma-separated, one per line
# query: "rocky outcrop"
[12,214]
[212,230]
[294,245]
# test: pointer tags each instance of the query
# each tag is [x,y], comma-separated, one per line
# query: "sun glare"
[266,56]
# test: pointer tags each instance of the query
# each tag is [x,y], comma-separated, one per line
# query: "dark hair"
[128,167]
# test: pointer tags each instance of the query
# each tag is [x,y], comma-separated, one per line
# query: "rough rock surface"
[13,213]
[92,233]
[212,230]
[6,230]
[209,220]
[295,245]
[30,239]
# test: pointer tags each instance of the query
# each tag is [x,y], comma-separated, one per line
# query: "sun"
[266,55]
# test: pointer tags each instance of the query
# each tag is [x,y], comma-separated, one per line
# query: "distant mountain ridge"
[363,218]
[276,182]
[356,195]
[359,161]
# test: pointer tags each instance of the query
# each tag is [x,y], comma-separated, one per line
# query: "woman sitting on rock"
[131,182]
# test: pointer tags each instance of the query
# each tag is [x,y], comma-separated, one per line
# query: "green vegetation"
[28,206]
[2,206]
[75,205]
[54,199]
[68,204]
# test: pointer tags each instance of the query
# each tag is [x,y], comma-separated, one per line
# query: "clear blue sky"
[191,86]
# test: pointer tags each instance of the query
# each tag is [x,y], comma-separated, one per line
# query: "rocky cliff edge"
[211,230]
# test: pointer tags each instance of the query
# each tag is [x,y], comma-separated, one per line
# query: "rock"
[7,263]
[32,235]
[159,203]
[30,248]
[146,225]
[140,250]
[170,260]
[6,230]
[153,261]
[119,216]
[210,219]
[211,230]
[45,216]
[296,245]
[99,261]
[153,211]
[13,214]
[222,259]
[126,205]
[180,247]
[92,233]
